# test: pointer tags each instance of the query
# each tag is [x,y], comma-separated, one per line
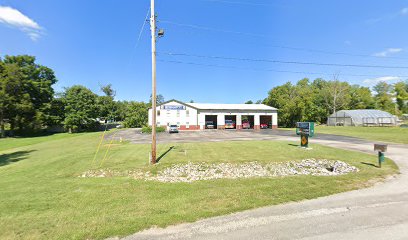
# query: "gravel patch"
[192,172]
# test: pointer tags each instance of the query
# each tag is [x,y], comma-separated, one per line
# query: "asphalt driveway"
[136,136]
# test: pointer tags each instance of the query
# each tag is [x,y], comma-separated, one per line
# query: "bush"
[148,129]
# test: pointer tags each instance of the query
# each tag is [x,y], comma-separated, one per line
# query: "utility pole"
[153,30]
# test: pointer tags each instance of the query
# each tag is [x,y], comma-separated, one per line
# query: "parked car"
[264,126]
[173,129]
[246,125]
[229,124]
[209,125]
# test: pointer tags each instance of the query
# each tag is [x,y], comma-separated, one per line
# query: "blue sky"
[94,42]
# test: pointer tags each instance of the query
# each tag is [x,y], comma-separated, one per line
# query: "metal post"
[153,31]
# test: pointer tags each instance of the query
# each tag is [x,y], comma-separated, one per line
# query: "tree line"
[28,102]
[316,100]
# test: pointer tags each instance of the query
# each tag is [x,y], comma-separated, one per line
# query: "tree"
[54,112]
[281,97]
[159,99]
[107,105]
[136,114]
[108,91]
[27,89]
[383,97]
[81,109]
[336,95]
[314,101]
[401,92]
[249,102]
[361,98]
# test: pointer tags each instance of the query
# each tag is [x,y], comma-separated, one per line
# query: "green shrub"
[148,129]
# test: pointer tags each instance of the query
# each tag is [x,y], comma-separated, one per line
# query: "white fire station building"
[198,116]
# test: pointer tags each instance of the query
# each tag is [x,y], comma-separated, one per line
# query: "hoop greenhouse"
[364,117]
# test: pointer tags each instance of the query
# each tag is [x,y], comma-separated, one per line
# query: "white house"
[194,116]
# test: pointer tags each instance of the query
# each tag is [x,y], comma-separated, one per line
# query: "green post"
[381,158]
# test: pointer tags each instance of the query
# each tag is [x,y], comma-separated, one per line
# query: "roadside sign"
[304,141]
[305,130]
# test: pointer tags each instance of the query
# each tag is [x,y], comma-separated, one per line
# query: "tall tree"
[29,90]
[108,90]
[383,97]
[3,99]
[336,94]
[159,99]
[282,97]
[107,105]
[249,102]
[361,98]
[136,114]
[81,109]
[401,91]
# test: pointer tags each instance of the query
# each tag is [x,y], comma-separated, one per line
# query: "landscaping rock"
[191,172]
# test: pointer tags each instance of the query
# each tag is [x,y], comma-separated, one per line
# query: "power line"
[139,37]
[284,62]
[268,70]
[143,26]
[211,29]
[277,46]
[238,2]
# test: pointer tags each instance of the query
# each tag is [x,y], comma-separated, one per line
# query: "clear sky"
[94,42]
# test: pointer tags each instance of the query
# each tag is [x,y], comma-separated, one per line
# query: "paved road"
[135,136]
[379,212]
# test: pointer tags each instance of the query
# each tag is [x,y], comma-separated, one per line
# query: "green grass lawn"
[383,134]
[9,143]
[42,196]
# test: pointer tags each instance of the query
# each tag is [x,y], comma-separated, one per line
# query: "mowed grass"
[381,134]
[9,143]
[42,197]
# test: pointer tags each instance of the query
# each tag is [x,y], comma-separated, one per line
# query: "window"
[158,123]
[178,113]
[187,123]
[158,112]
[187,113]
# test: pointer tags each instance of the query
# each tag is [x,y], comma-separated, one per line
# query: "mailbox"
[380,147]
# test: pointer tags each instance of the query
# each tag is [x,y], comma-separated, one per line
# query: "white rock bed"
[192,172]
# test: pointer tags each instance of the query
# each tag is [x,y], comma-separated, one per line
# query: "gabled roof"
[217,106]
[177,101]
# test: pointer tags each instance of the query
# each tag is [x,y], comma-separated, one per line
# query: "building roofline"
[201,109]
[177,101]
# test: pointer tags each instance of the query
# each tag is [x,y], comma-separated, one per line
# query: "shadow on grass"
[293,145]
[6,159]
[164,154]
[369,164]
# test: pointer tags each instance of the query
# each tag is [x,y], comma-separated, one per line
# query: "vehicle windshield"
[173,125]
[228,121]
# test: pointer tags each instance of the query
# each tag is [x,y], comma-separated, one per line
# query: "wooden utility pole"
[153,30]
